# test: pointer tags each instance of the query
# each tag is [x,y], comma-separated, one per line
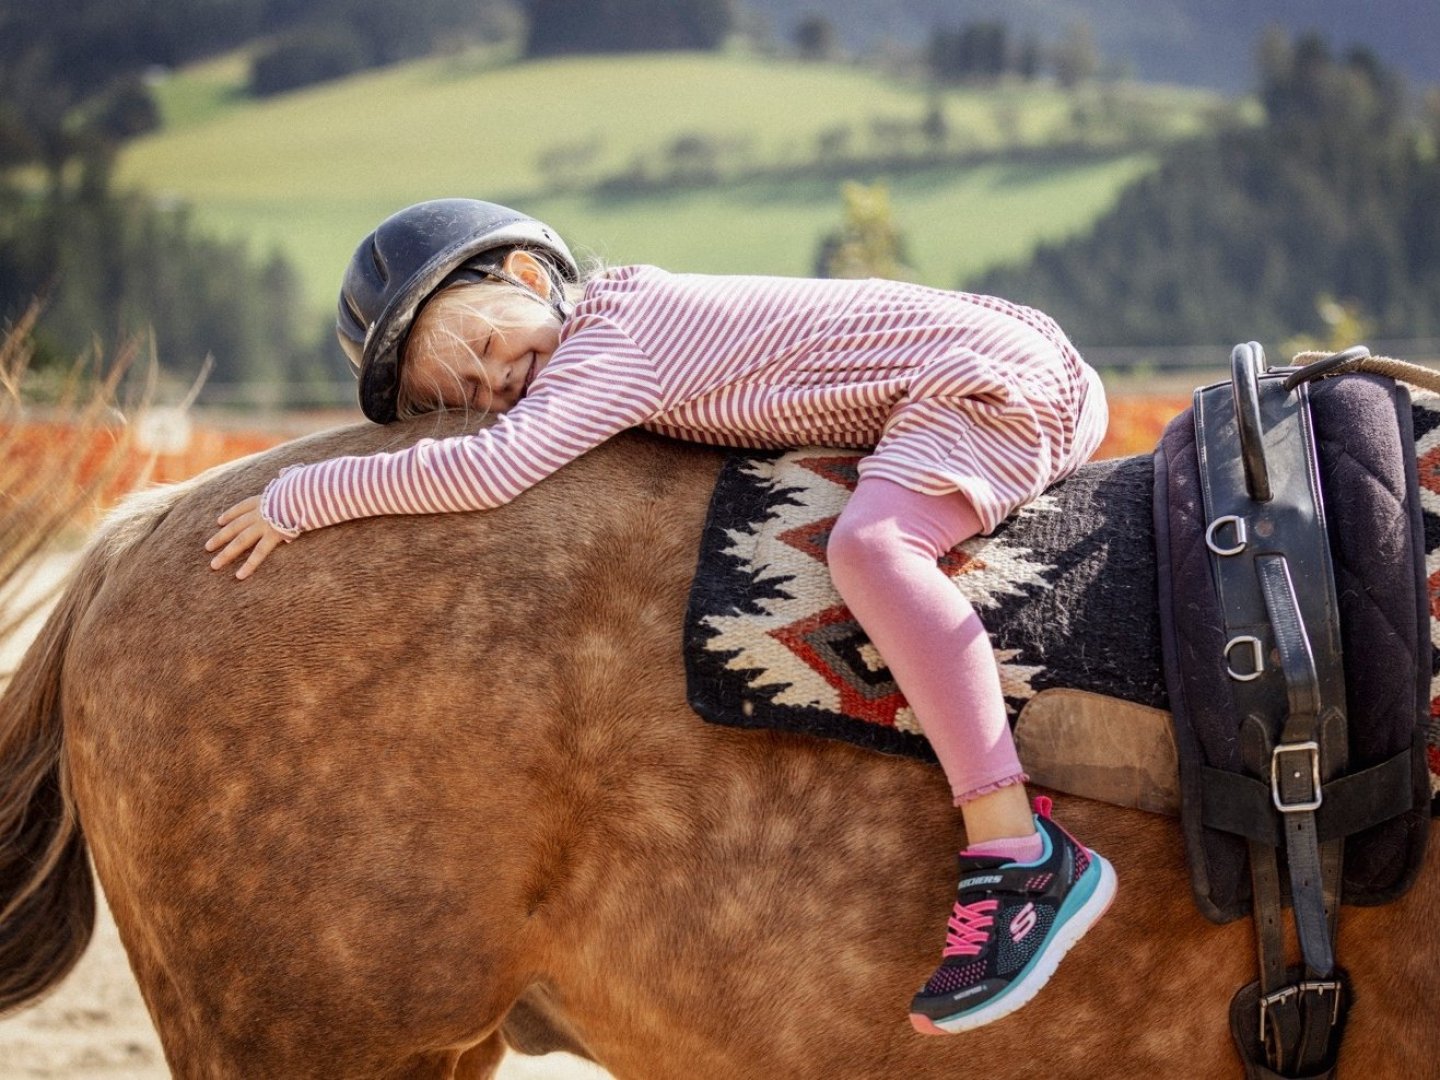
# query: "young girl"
[972,406]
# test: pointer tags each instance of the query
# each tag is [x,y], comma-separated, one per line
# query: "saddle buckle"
[1284,994]
[1326,986]
[1311,750]
[1279,997]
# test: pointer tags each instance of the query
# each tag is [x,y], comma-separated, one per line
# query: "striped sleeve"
[582,398]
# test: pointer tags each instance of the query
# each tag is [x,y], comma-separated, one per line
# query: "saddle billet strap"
[1298,1013]
[1294,1015]
[1295,763]
[1261,488]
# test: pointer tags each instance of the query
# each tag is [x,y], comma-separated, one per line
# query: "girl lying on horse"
[969,405]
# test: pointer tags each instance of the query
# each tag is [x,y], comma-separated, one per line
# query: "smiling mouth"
[529,376]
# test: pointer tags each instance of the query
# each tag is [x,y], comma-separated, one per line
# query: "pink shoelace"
[968,928]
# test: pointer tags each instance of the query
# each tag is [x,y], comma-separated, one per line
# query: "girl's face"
[480,346]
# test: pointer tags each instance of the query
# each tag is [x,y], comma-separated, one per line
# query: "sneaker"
[1011,925]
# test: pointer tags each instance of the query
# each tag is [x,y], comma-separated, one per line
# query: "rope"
[1402,370]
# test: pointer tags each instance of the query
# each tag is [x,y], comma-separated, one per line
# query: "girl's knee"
[851,536]
[862,547]
[887,532]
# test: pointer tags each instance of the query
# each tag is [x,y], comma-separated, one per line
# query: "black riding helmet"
[413,254]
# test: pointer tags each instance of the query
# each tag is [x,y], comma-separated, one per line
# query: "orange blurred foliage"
[1137,422]
[38,444]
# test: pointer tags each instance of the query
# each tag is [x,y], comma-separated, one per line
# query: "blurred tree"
[18,143]
[601,26]
[815,38]
[936,125]
[306,57]
[976,51]
[694,157]
[126,111]
[112,267]
[868,242]
[83,58]
[755,29]
[1076,57]
[1029,58]
[72,85]
[1430,117]
[565,165]
[891,134]
[833,143]
[68,66]
[329,39]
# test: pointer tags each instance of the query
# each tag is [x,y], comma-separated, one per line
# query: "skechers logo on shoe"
[986,879]
[1023,923]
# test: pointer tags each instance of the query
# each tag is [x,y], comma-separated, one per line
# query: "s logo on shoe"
[1022,923]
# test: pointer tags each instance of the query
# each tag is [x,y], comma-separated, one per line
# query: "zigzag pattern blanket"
[1066,587]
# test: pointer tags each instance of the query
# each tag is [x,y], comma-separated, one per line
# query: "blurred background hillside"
[1165,177]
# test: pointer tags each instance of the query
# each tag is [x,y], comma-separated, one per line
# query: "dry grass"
[46,489]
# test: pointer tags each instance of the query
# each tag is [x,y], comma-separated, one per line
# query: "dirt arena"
[95,1025]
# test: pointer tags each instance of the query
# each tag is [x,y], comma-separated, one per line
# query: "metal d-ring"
[1240,534]
[1257,654]
[1246,363]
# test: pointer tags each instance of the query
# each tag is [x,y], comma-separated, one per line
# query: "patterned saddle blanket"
[1066,587]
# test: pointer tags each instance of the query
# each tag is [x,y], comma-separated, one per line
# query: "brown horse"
[428,788]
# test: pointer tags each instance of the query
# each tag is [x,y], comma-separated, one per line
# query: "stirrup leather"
[1270,558]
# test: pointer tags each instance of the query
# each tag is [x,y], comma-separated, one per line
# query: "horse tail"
[47,890]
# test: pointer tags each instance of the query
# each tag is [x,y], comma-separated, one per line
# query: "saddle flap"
[1101,748]
[1360,463]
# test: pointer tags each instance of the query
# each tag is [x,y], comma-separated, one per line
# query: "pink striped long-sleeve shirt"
[954,391]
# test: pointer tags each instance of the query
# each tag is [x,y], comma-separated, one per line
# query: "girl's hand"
[243,529]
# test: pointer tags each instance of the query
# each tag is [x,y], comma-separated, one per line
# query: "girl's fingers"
[240,544]
[225,535]
[245,506]
[266,545]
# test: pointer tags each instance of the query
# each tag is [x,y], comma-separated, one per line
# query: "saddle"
[1280,626]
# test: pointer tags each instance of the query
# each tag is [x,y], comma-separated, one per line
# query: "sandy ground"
[95,1024]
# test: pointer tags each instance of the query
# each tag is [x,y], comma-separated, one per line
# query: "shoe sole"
[1024,989]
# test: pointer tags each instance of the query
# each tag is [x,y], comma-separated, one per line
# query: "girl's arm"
[572,408]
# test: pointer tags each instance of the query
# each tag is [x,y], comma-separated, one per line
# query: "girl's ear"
[529,270]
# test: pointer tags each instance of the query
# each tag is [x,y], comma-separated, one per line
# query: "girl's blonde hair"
[414,399]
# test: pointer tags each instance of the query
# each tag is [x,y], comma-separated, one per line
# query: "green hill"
[309,173]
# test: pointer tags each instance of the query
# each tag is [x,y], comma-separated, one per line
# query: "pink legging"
[883,554]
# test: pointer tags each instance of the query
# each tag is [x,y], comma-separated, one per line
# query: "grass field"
[309,173]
